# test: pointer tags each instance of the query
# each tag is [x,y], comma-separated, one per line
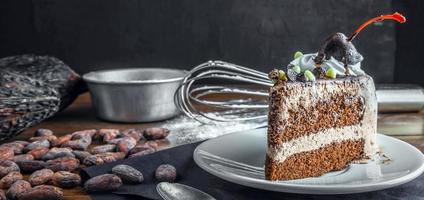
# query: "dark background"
[100,34]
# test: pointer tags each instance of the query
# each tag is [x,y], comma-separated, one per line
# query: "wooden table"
[80,115]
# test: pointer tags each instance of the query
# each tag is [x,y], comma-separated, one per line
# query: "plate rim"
[312,189]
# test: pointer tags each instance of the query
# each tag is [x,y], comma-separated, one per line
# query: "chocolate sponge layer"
[332,157]
[300,109]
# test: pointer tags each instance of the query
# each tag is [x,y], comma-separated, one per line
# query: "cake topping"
[301,77]
[306,62]
[337,57]
[298,54]
[293,71]
[282,75]
[341,48]
[309,75]
[319,72]
[305,76]
[296,68]
[273,75]
[331,73]
[338,47]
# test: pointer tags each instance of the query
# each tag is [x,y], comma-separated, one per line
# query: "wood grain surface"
[80,115]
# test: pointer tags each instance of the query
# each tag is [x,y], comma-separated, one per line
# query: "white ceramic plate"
[246,151]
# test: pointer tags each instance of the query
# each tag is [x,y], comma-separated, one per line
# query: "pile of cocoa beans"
[53,162]
[127,174]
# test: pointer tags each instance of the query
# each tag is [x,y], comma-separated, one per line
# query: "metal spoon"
[176,191]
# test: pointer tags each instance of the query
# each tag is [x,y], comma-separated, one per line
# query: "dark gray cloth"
[190,174]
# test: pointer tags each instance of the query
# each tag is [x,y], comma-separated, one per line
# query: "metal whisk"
[247,105]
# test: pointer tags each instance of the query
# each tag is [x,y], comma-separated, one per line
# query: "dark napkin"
[190,174]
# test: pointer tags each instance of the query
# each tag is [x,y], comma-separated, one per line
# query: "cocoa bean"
[39,152]
[128,174]
[140,147]
[137,134]
[97,137]
[114,141]
[160,143]
[103,183]
[81,155]
[93,160]
[61,140]
[104,131]
[155,133]
[102,158]
[50,138]
[2,195]
[66,179]
[16,188]
[107,158]
[57,153]
[78,144]
[29,166]
[22,157]
[126,144]
[78,134]
[143,153]
[152,144]
[33,139]
[166,173]
[42,192]
[6,153]
[40,177]
[21,142]
[108,134]
[115,155]
[43,132]
[9,179]
[37,144]
[7,166]
[82,137]
[63,164]
[15,146]
[103,148]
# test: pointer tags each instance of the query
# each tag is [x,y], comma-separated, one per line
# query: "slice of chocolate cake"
[322,111]
[317,127]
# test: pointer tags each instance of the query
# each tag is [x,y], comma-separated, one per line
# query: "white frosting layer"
[321,139]
[306,62]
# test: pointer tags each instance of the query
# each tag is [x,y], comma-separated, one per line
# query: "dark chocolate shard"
[50,70]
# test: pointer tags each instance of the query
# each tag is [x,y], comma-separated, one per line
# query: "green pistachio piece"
[309,75]
[331,73]
[296,68]
[282,75]
[298,54]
